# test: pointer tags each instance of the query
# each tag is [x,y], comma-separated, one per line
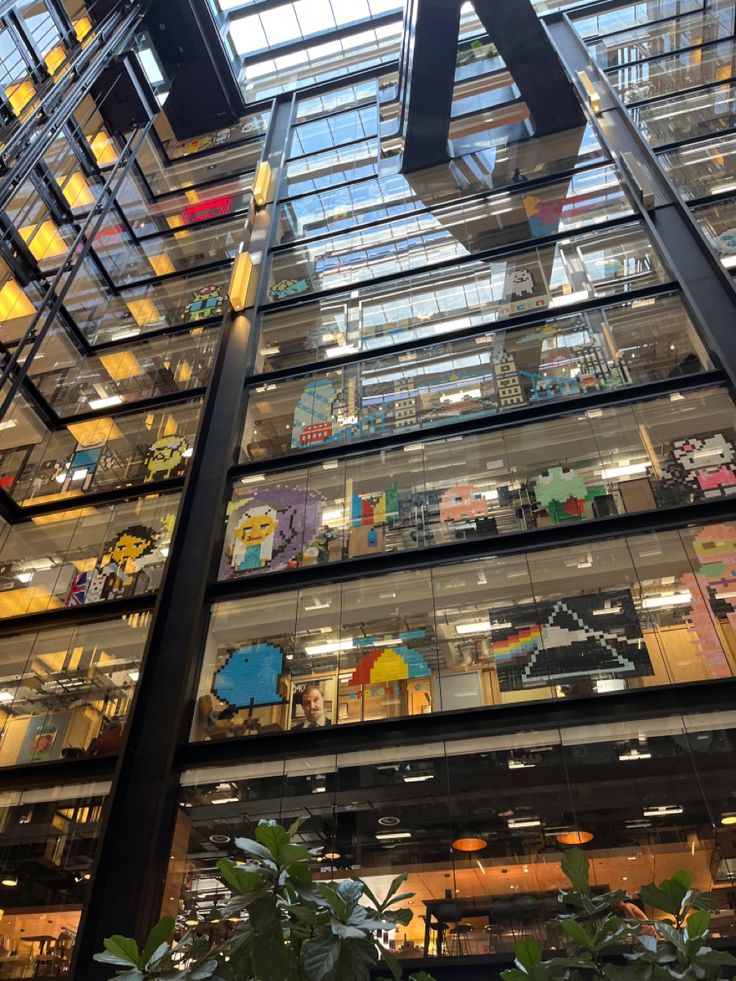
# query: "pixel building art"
[386,661]
[564,493]
[553,642]
[712,591]
[249,676]
[166,457]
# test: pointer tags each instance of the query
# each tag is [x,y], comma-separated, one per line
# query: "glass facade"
[397,498]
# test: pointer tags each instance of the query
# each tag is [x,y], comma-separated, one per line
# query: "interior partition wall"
[446,502]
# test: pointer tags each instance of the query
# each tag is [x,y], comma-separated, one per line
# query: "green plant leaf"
[289,854]
[575,867]
[577,931]
[251,847]
[273,837]
[335,902]
[270,956]
[125,948]
[422,976]
[240,880]
[392,964]
[161,934]
[300,874]
[321,956]
[528,954]
[394,887]
[716,958]
[698,923]
[295,826]
[660,899]
[351,892]
[108,958]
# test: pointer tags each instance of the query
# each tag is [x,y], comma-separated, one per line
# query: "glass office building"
[354,477]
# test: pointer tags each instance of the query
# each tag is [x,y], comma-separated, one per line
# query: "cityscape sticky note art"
[564,641]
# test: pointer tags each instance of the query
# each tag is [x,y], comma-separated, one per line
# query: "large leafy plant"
[597,924]
[282,925]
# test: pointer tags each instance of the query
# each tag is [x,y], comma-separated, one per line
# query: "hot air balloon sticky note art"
[556,642]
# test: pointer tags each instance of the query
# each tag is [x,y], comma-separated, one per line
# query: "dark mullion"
[75,615]
[33,776]
[669,54]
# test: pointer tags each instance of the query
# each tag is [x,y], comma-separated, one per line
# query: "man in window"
[313,704]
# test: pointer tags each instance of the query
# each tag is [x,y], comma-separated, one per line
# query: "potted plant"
[608,937]
[279,924]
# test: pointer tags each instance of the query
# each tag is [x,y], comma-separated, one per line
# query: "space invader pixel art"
[249,676]
[548,643]
[704,464]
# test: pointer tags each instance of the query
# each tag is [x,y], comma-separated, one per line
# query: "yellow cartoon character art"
[116,575]
[254,538]
[166,457]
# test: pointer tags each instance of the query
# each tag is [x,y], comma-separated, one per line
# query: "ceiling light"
[134,675]
[105,403]
[392,835]
[665,811]
[11,881]
[574,837]
[332,856]
[666,600]
[331,648]
[516,823]
[418,777]
[190,922]
[6,696]
[520,765]
[469,843]
[628,470]
[633,754]
[728,819]
[389,821]
[225,800]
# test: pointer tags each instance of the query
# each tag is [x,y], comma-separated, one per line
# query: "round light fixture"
[11,881]
[332,856]
[389,821]
[190,922]
[574,837]
[728,819]
[219,839]
[469,843]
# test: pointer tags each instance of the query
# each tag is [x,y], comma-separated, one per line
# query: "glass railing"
[581,620]
[164,178]
[576,468]
[88,555]
[447,234]
[632,14]
[183,210]
[245,129]
[446,301]
[38,467]
[718,224]
[104,316]
[705,168]
[686,31]
[394,195]
[674,73]
[160,366]
[66,691]
[687,116]
[595,351]
[127,262]
[346,127]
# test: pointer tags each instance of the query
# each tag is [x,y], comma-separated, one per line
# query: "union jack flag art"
[77,590]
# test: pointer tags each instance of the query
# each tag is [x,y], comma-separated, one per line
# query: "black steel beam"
[427,72]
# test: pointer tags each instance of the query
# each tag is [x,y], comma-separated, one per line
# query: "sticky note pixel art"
[704,464]
[249,676]
[593,636]
[389,664]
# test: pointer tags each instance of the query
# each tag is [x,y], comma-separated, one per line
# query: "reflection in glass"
[702,169]
[408,243]
[48,852]
[448,300]
[687,116]
[65,692]
[594,351]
